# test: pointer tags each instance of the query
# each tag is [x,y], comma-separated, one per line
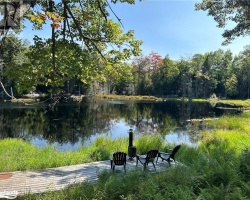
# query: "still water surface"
[69,126]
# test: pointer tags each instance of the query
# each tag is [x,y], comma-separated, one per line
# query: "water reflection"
[71,125]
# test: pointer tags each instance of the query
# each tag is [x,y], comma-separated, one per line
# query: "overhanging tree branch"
[114,14]
[92,40]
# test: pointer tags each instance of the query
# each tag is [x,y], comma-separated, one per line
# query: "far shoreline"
[244,104]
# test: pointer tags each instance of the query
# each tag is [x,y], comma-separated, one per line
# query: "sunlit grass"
[208,173]
[239,123]
[149,142]
[230,139]
[21,155]
[187,99]
[244,103]
[148,98]
[126,97]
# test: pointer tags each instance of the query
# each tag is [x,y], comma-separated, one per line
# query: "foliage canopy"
[229,10]
[85,41]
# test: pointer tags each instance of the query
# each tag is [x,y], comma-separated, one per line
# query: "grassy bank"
[227,102]
[20,155]
[244,103]
[214,170]
[219,168]
[126,97]
[216,179]
[146,98]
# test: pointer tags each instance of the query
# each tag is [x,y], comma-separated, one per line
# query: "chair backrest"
[151,155]
[174,151]
[119,158]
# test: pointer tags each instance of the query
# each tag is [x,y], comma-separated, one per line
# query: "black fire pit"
[131,148]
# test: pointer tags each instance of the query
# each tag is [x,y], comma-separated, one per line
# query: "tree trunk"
[53,48]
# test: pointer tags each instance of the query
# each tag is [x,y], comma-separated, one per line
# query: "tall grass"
[148,142]
[239,123]
[230,139]
[209,174]
[20,155]
[219,168]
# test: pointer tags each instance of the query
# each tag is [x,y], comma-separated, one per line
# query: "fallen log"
[200,120]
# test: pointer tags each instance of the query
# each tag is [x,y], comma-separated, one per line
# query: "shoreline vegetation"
[214,101]
[244,104]
[20,154]
[217,168]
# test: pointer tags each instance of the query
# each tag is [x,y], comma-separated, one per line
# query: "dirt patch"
[5,176]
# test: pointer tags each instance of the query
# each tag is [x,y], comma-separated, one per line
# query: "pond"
[70,125]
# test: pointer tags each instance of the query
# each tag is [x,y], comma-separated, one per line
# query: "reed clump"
[237,123]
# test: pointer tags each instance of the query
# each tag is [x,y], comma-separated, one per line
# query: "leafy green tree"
[210,72]
[12,58]
[120,77]
[196,61]
[242,71]
[37,70]
[145,70]
[84,42]
[141,67]
[228,10]
[184,79]
[223,71]
[231,85]
[165,80]
[155,62]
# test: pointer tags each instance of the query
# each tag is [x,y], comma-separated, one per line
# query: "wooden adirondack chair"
[169,157]
[118,158]
[146,159]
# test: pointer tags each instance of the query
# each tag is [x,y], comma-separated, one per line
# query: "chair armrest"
[169,150]
[164,155]
[140,156]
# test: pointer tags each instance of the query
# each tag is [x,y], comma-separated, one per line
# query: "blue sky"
[171,28]
[175,28]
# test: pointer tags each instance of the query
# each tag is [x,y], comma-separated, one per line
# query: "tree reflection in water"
[72,124]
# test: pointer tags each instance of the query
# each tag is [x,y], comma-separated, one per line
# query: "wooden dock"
[52,179]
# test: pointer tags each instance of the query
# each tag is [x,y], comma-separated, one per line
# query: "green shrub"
[245,164]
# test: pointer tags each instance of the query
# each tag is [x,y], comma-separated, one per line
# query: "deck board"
[51,179]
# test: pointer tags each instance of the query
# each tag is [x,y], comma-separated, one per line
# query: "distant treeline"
[217,74]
